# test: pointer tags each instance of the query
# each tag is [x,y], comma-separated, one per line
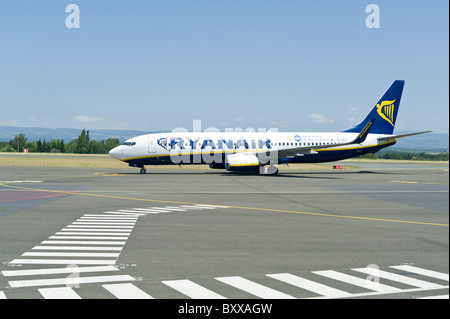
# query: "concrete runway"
[301,234]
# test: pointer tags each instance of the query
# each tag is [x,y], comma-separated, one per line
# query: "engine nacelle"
[242,162]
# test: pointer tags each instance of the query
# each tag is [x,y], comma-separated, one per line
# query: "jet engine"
[242,162]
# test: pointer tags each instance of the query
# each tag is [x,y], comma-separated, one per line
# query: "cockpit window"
[129,143]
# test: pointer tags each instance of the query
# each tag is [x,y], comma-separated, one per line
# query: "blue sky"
[157,65]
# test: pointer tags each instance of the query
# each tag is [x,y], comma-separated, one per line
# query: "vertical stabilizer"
[384,112]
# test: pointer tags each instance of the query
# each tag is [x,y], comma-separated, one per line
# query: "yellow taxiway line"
[237,207]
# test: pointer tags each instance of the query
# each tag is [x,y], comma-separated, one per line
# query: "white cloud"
[239,120]
[319,118]
[87,119]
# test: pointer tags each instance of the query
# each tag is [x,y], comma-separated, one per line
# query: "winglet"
[363,134]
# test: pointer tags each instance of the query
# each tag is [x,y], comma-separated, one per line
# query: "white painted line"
[421,271]
[399,278]
[59,293]
[254,288]
[125,231]
[195,207]
[98,226]
[103,223]
[161,209]
[77,248]
[137,211]
[147,211]
[54,271]
[88,237]
[53,254]
[84,233]
[370,294]
[103,216]
[107,219]
[125,214]
[79,242]
[360,282]
[2,295]
[63,261]
[173,208]
[192,290]
[211,206]
[68,280]
[127,291]
[153,209]
[21,181]
[309,285]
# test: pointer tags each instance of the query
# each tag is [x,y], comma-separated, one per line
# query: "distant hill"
[424,142]
[33,134]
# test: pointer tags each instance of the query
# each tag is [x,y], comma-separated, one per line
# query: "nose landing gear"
[143,170]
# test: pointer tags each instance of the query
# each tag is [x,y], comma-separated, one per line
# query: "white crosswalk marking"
[77,248]
[78,242]
[55,271]
[66,281]
[98,231]
[52,254]
[123,287]
[310,285]
[192,290]
[94,242]
[403,279]
[421,271]
[127,291]
[64,261]
[364,283]
[253,288]
[59,293]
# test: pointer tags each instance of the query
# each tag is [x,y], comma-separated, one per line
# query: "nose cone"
[115,152]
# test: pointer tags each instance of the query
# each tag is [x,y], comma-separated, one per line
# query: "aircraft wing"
[394,137]
[309,149]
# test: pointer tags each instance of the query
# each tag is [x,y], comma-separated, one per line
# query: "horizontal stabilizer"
[394,137]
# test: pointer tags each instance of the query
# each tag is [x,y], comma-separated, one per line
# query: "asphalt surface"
[312,225]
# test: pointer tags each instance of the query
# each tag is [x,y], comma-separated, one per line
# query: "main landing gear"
[143,170]
[267,170]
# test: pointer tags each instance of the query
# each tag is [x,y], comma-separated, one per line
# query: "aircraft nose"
[115,152]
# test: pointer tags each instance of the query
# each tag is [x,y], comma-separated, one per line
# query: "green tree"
[62,147]
[82,143]
[19,142]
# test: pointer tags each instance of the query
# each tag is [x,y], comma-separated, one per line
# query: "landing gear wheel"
[143,171]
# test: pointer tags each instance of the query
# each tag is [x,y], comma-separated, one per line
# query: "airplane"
[262,152]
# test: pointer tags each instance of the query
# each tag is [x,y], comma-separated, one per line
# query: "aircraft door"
[151,146]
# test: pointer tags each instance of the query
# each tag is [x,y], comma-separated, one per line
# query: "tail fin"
[385,111]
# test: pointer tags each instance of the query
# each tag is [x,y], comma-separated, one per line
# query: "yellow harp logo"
[386,111]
